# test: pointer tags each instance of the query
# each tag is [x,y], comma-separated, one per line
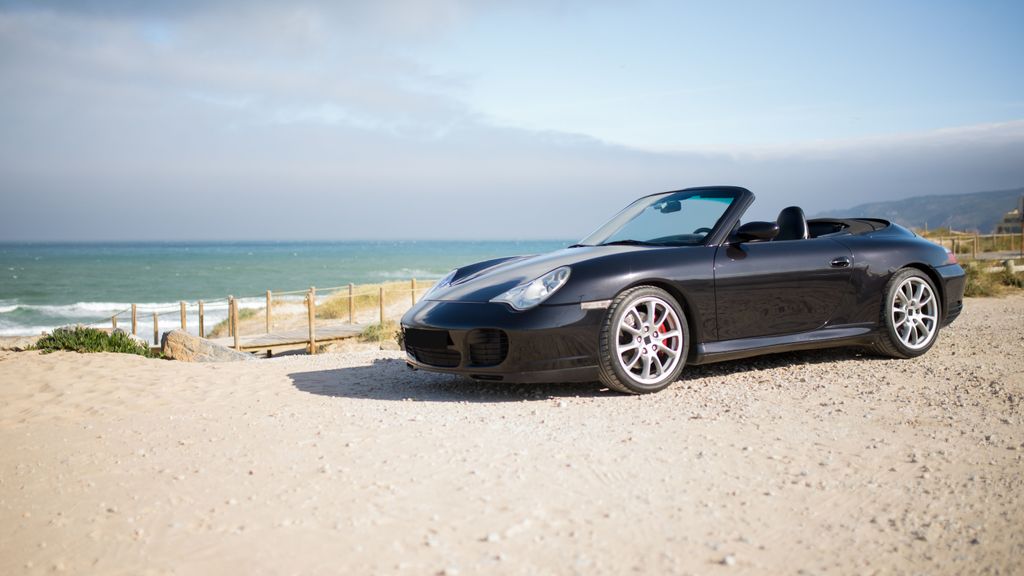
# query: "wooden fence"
[981,244]
[349,293]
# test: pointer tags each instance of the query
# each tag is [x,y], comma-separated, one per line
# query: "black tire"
[613,372]
[890,342]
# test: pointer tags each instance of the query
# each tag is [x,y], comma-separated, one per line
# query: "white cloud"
[232,120]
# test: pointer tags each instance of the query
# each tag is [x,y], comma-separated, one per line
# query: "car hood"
[483,281]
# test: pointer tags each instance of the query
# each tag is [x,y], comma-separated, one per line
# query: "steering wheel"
[702,231]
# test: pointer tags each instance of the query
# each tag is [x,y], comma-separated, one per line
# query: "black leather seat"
[792,224]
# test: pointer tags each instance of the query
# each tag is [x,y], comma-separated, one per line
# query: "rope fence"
[337,303]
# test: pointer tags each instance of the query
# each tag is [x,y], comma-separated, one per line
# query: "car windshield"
[670,219]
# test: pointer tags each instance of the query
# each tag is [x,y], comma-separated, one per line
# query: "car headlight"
[526,296]
[446,281]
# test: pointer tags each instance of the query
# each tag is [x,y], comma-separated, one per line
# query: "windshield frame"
[741,198]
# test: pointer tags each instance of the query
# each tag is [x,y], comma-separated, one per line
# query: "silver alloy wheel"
[915,313]
[649,342]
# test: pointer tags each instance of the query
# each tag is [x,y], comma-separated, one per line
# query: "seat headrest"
[792,224]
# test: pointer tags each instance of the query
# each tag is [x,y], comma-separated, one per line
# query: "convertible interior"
[793,225]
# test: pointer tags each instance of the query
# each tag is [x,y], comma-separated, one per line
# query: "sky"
[458,119]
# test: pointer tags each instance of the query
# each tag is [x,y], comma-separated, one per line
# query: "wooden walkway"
[325,332]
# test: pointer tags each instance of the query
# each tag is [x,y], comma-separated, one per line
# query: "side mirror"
[757,231]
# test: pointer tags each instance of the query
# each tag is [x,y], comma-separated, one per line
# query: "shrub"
[336,305]
[1007,278]
[221,329]
[82,339]
[366,297]
[380,332]
[980,282]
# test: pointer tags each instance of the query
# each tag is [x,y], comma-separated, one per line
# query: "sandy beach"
[831,462]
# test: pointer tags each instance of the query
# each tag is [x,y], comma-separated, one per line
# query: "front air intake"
[487,347]
[432,347]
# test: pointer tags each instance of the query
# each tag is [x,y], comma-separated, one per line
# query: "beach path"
[326,331]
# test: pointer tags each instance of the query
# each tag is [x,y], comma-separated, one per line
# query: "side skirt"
[848,335]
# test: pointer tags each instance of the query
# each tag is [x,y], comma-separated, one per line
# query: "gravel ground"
[828,462]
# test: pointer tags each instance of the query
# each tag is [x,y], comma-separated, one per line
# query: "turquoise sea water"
[47,285]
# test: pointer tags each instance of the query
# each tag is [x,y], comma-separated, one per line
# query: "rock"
[180,345]
[135,338]
[18,343]
[390,345]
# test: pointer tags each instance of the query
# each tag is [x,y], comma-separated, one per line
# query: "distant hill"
[977,211]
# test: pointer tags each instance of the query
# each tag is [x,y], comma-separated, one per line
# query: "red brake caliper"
[661,330]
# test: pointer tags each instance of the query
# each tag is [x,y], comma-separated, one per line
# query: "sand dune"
[822,462]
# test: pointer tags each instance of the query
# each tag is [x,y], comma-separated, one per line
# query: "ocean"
[46,285]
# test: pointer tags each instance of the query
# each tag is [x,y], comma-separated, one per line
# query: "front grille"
[431,347]
[487,347]
[439,358]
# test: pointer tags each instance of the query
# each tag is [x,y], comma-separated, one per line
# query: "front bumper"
[490,341]
[953,281]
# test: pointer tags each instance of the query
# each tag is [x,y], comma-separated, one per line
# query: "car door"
[780,287]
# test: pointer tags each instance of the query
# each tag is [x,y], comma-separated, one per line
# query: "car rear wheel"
[644,341]
[910,315]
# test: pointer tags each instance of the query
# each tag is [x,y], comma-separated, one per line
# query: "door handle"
[840,262]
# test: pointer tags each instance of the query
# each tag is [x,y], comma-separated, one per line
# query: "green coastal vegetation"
[84,339]
[382,332]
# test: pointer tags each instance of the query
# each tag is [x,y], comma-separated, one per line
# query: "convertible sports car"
[674,279]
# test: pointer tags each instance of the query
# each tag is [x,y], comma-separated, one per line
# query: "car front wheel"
[644,341]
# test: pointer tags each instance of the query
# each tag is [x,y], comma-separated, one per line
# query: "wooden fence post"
[351,304]
[269,319]
[311,310]
[135,322]
[234,322]
[413,284]
[381,305]
[231,324]
[202,321]
[974,247]
[156,329]
[113,322]
[184,323]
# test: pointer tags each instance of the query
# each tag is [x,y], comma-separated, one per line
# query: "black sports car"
[675,279]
